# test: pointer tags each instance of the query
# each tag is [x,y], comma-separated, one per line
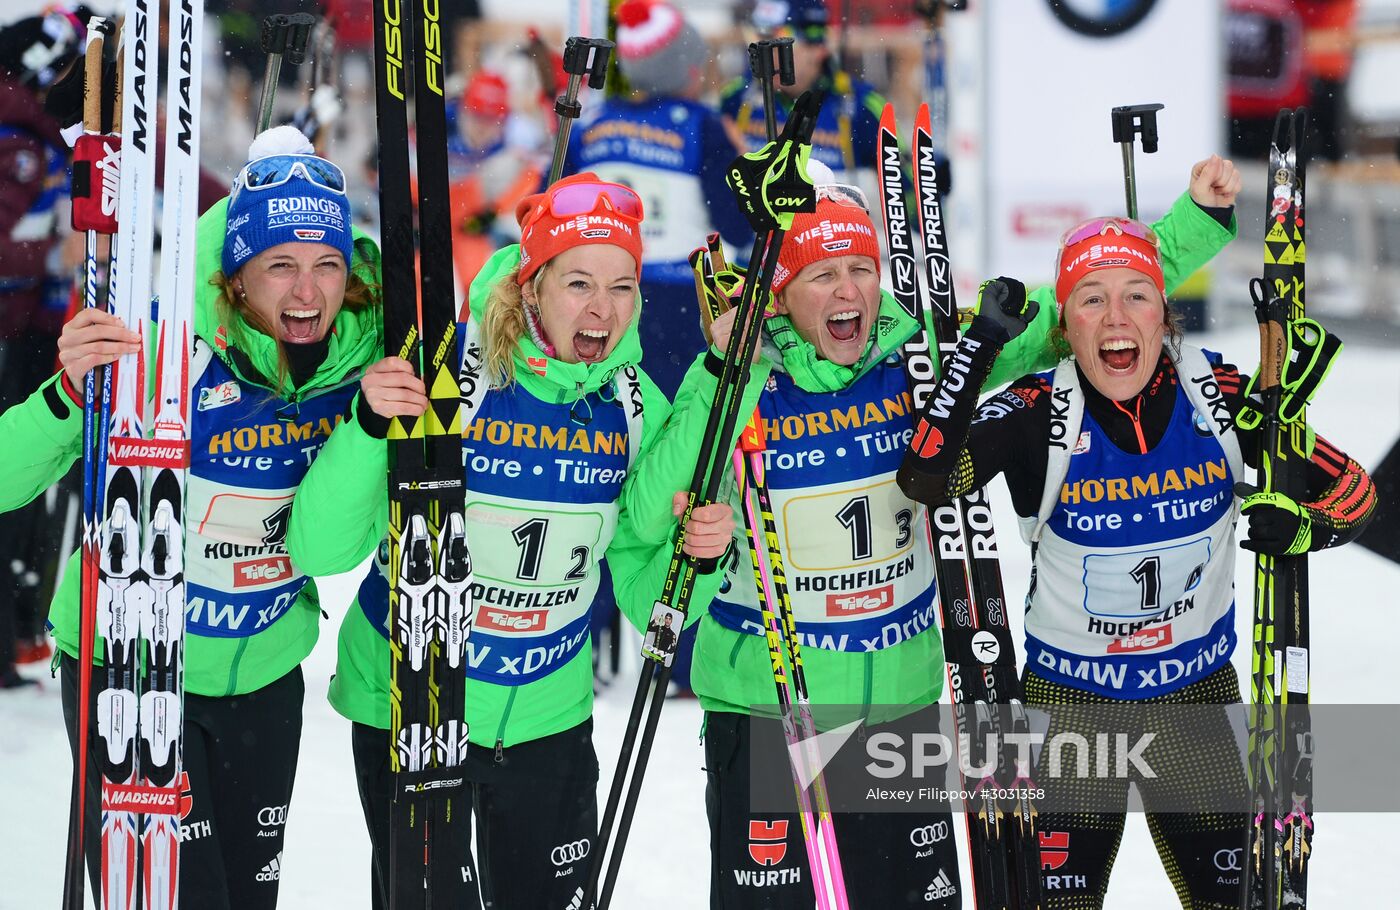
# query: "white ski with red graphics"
[141,591]
[981,659]
[121,586]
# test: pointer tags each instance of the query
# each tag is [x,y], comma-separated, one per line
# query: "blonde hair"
[359,294]
[503,325]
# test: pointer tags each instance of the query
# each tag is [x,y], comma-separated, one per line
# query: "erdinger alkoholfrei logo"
[1101,18]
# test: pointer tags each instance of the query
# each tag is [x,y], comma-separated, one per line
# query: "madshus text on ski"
[613,356]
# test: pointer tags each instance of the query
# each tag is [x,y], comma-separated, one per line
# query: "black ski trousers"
[534,806]
[240,758]
[758,860]
[1202,852]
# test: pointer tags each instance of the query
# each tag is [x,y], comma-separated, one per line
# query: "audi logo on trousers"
[564,854]
[1228,860]
[928,835]
[270,816]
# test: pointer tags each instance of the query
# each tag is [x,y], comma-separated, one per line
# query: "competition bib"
[855,549]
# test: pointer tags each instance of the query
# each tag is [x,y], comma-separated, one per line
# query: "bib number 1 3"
[854,516]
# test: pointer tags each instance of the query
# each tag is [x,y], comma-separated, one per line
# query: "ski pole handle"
[301,26]
[767,58]
[1128,122]
[583,57]
[92,74]
[281,34]
[117,95]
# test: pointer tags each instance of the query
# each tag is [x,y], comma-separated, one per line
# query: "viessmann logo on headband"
[593,227]
[1103,256]
[827,230]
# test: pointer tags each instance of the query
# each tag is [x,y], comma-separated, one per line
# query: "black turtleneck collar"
[303,360]
[1138,424]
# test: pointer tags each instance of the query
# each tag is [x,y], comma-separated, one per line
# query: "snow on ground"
[326,860]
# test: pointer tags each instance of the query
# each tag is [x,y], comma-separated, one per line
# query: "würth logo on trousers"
[768,841]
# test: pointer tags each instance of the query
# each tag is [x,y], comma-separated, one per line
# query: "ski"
[981,660]
[1280,738]
[430,571]
[166,455]
[132,570]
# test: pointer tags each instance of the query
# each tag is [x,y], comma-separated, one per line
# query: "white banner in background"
[1045,150]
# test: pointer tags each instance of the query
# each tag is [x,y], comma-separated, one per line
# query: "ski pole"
[818,829]
[767,58]
[582,57]
[95,389]
[1128,121]
[281,34]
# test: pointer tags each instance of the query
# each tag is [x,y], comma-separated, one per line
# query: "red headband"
[545,234]
[834,229]
[1111,247]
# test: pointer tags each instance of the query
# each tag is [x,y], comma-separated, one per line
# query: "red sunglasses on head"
[584,198]
[1097,227]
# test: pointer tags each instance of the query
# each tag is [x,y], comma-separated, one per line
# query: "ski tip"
[923,121]
[887,121]
[1282,123]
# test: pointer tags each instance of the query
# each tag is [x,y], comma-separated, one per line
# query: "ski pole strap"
[96,157]
[771,184]
[1308,356]
[1312,351]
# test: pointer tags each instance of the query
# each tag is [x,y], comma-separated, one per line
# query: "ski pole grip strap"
[96,181]
[1312,351]
[771,185]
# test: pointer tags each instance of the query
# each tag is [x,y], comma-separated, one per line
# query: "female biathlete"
[283,328]
[1122,464]
[552,337]
[831,389]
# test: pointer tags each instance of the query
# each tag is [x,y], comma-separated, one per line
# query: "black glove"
[1278,526]
[1003,309]
[64,101]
